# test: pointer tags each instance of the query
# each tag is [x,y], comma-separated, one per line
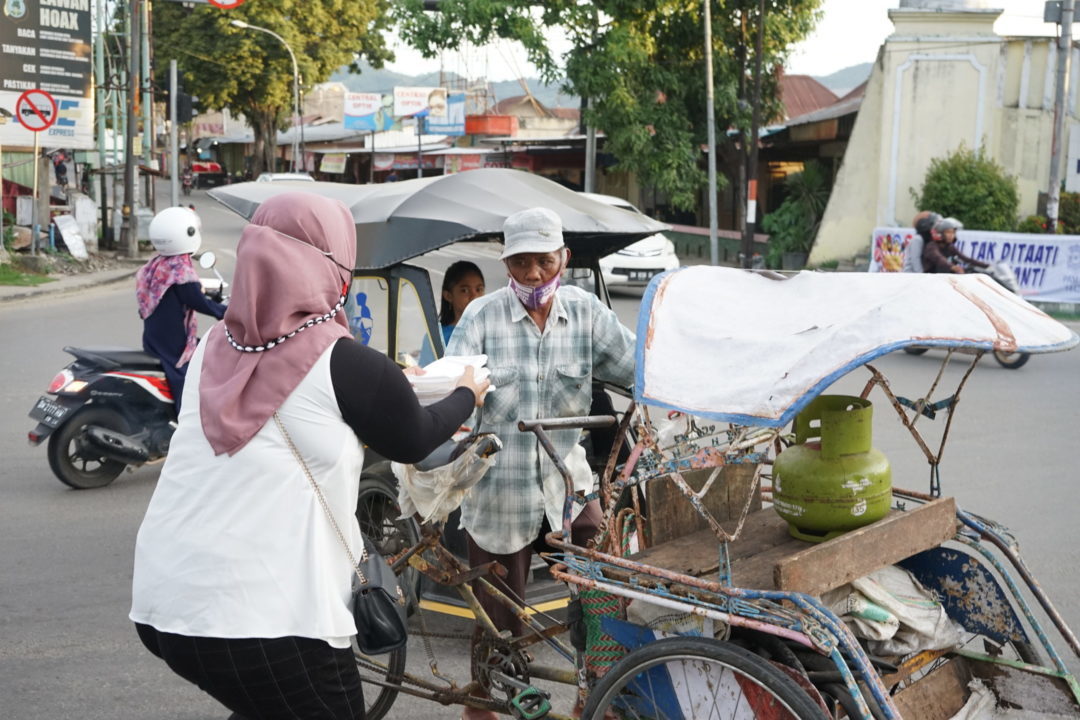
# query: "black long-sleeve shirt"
[164,332]
[377,402]
[939,257]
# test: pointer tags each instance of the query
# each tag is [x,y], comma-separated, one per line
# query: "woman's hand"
[479,389]
[413,370]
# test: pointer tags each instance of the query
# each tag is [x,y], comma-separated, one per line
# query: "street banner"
[333,163]
[368,111]
[1047,266]
[45,46]
[411,100]
[453,123]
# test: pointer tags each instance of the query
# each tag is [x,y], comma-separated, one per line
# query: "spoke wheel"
[377,512]
[389,668]
[1011,361]
[71,457]
[700,679]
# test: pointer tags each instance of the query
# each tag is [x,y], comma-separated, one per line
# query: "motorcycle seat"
[114,357]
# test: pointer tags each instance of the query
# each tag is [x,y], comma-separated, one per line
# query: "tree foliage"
[641,65]
[250,72]
[972,188]
[793,226]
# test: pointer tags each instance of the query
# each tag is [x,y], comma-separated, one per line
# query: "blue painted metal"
[1014,589]
[969,592]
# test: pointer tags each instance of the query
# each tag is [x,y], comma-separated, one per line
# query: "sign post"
[36,110]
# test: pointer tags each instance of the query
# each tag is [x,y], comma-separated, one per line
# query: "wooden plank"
[852,555]
[669,514]
[938,696]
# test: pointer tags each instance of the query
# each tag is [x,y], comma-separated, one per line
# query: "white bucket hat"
[536,230]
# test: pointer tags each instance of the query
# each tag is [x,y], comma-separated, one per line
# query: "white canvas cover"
[754,348]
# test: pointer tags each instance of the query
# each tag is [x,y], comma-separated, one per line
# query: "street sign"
[36,110]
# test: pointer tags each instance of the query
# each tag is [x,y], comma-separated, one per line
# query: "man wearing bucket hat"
[545,343]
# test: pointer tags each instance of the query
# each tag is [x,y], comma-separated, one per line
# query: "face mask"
[535,298]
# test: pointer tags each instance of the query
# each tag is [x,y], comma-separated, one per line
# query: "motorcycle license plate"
[49,412]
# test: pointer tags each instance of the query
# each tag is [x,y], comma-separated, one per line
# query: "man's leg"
[517,572]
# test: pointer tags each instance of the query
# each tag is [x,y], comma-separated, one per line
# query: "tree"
[250,72]
[972,188]
[641,66]
[793,226]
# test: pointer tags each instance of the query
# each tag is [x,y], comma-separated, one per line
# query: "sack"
[378,605]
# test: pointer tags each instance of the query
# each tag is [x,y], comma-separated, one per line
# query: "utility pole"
[755,123]
[147,103]
[1060,112]
[99,96]
[174,141]
[710,121]
[129,240]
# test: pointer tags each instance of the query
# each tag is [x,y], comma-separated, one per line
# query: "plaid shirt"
[536,375]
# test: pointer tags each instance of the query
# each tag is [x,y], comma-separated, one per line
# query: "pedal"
[530,704]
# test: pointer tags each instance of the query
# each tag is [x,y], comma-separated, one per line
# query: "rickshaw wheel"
[697,677]
[390,668]
[1012,361]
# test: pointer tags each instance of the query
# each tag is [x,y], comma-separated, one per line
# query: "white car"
[290,176]
[636,264]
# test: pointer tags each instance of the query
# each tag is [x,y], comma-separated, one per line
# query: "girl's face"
[463,292]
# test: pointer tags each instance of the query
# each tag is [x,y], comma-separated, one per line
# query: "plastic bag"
[894,613]
[434,494]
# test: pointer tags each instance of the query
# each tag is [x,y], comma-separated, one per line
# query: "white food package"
[441,377]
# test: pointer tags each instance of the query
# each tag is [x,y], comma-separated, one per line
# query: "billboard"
[453,122]
[409,101]
[369,111]
[45,45]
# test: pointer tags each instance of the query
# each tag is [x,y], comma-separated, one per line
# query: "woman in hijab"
[169,293]
[240,584]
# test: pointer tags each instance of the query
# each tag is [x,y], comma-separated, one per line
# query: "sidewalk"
[68,284]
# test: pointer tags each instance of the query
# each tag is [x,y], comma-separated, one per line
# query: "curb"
[66,286]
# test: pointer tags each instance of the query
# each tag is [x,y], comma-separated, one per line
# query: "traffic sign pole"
[34,205]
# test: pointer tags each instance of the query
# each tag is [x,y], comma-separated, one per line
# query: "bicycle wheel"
[388,668]
[697,679]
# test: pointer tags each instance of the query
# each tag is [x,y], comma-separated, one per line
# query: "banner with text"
[1047,266]
[409,101]
[45,45]
[368,111]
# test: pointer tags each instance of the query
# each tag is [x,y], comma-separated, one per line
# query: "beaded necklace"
[277,341]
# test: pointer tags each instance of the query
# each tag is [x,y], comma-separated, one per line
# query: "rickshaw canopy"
[400,220]
[754,348]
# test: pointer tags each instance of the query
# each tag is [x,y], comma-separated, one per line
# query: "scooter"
[1003,273]
[110,409]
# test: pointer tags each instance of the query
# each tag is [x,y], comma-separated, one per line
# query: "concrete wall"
[942,79]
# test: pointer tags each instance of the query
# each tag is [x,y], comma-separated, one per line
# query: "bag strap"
[322,501]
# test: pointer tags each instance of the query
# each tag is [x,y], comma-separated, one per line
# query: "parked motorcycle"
[1003,273]
[110,409]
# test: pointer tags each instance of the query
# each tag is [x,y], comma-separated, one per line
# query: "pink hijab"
[287,275]
[152,281]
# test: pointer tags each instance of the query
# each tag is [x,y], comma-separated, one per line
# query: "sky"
[850,32]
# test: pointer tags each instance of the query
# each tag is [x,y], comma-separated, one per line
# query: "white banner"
[411,100]
[1047,266]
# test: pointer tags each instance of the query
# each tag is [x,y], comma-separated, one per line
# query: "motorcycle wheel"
[1012,361]
[187,189]
[73,461]
[915,350]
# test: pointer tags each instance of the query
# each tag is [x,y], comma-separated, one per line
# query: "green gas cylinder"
[832,480]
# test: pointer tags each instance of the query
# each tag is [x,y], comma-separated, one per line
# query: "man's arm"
[612,347]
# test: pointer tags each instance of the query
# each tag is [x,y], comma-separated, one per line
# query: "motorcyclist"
[923,224]
[169,293]
[941,255]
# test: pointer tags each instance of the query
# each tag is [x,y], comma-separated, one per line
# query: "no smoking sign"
[36,110]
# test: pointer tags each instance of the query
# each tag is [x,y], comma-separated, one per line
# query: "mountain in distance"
[370,80]
[846,79]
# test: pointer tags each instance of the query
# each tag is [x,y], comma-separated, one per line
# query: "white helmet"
[176,231]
